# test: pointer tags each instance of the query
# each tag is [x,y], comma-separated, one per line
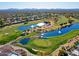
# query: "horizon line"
[37,8]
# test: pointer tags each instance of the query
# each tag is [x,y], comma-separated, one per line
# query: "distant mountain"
[39,10]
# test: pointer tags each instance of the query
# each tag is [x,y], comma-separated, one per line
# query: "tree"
[70,21]
[61,24]
[1,23]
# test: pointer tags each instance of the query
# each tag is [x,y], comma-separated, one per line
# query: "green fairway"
[9,33]
[63,19]
[42,43]
[55,42]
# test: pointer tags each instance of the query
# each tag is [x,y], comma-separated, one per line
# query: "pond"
[24,41]
[22,28]
[53,33]
[61,31]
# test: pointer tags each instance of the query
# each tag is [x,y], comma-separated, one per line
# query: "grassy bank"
[11,32]
[55,42]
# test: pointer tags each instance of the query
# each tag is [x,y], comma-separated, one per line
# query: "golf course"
[43,46]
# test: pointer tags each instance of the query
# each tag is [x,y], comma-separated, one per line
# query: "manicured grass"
[76,20]
[9,33]
[30,35]
[62,19]
[42,43]
[55,42]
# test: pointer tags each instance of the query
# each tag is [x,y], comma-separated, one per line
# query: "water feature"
[24,41]
[56,32]
[22,28]
[59,32]
[62,31]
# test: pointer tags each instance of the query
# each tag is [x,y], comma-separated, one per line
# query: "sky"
[39,5]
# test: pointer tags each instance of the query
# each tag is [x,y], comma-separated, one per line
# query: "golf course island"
[40,34]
